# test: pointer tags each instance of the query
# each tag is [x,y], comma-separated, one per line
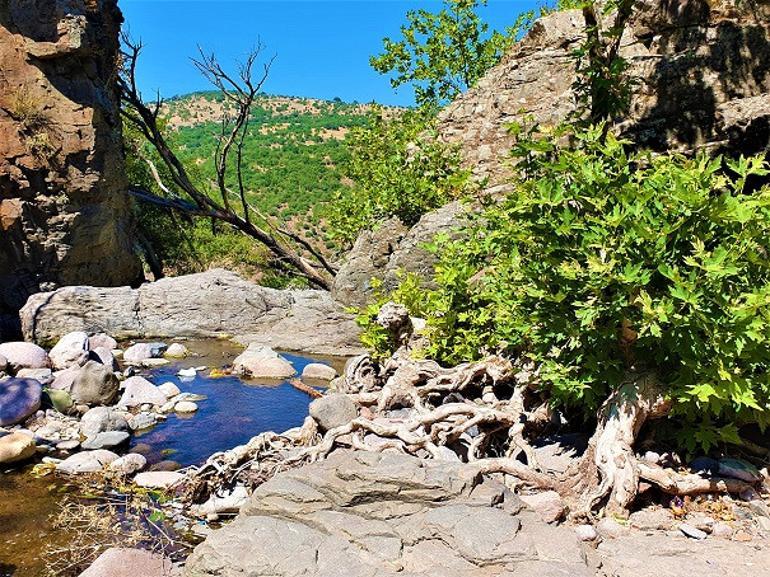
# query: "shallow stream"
[232,413]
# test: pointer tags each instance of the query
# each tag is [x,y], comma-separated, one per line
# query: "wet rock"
[739,469]
[21,355]
[260,362]
[43,376]
[548,505]
[319,371]
[177,351]
[158,479]
[86,462]
[143,420]
[139,391]
[118,562]
[129,464]
[108,440]
[95,384]
[169,389]
[16,447]
[166,465]
[19,399]
[71,351]
[333,410]
[101,420]
[102,340]
[185,407]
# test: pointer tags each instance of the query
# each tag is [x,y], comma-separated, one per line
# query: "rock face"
[201,305]
[389,249]
[64,212]
[379,515]
[704,71]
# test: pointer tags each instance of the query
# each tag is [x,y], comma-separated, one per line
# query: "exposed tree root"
[476,413]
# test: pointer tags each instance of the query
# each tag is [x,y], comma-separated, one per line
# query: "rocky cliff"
[702,80]
[64,214]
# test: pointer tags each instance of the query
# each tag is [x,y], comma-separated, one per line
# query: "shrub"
[602,260]
[398,169]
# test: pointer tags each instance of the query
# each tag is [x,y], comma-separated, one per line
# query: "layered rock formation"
[702,74]
[213,303]
[64,213]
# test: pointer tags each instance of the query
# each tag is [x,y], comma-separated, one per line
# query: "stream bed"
[233,412]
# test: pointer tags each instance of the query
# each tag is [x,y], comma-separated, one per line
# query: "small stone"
[143,351]
[652,457]
[68,445]
[722,530]
[548,505]
[692,532]
[177,351]
[71,351]
[260,362]
[107,440]
[104,356]
[333,410]
[158,479]
[16,447]
[61,400]
[586,533]
[652,519]
[138,391]
[169,389]
[143,420]
[102,340]
[610,529]
[189,373]
[185,407]
[43,376]
[129,464]
[319,371]
[742,536]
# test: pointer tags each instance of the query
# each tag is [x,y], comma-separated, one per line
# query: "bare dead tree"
[220,204]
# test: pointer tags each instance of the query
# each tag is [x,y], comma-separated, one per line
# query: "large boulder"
[65,215]
[208,304]
[260,362]
[19,398]
[16,447]
[120,562]
[21,355]
[95,384]
[383,515]
[71,351]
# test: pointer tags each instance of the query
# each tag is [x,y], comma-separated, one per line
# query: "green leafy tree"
[441,54]
[398,168]
[603,261]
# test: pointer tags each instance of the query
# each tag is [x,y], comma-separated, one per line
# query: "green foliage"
[397,168]
[441,54]
[602,260]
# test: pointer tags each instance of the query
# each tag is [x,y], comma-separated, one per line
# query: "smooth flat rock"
[86,462]
[19,398]
[128,464]
[319,371]
[21,355]
[101,420]
[386,515]
[201,305]
[43,376]
[119,562]
[158,479]
[106,440]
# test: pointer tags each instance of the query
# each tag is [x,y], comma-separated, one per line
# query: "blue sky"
[322,47]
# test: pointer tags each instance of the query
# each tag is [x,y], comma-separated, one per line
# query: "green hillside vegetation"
[294,152]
